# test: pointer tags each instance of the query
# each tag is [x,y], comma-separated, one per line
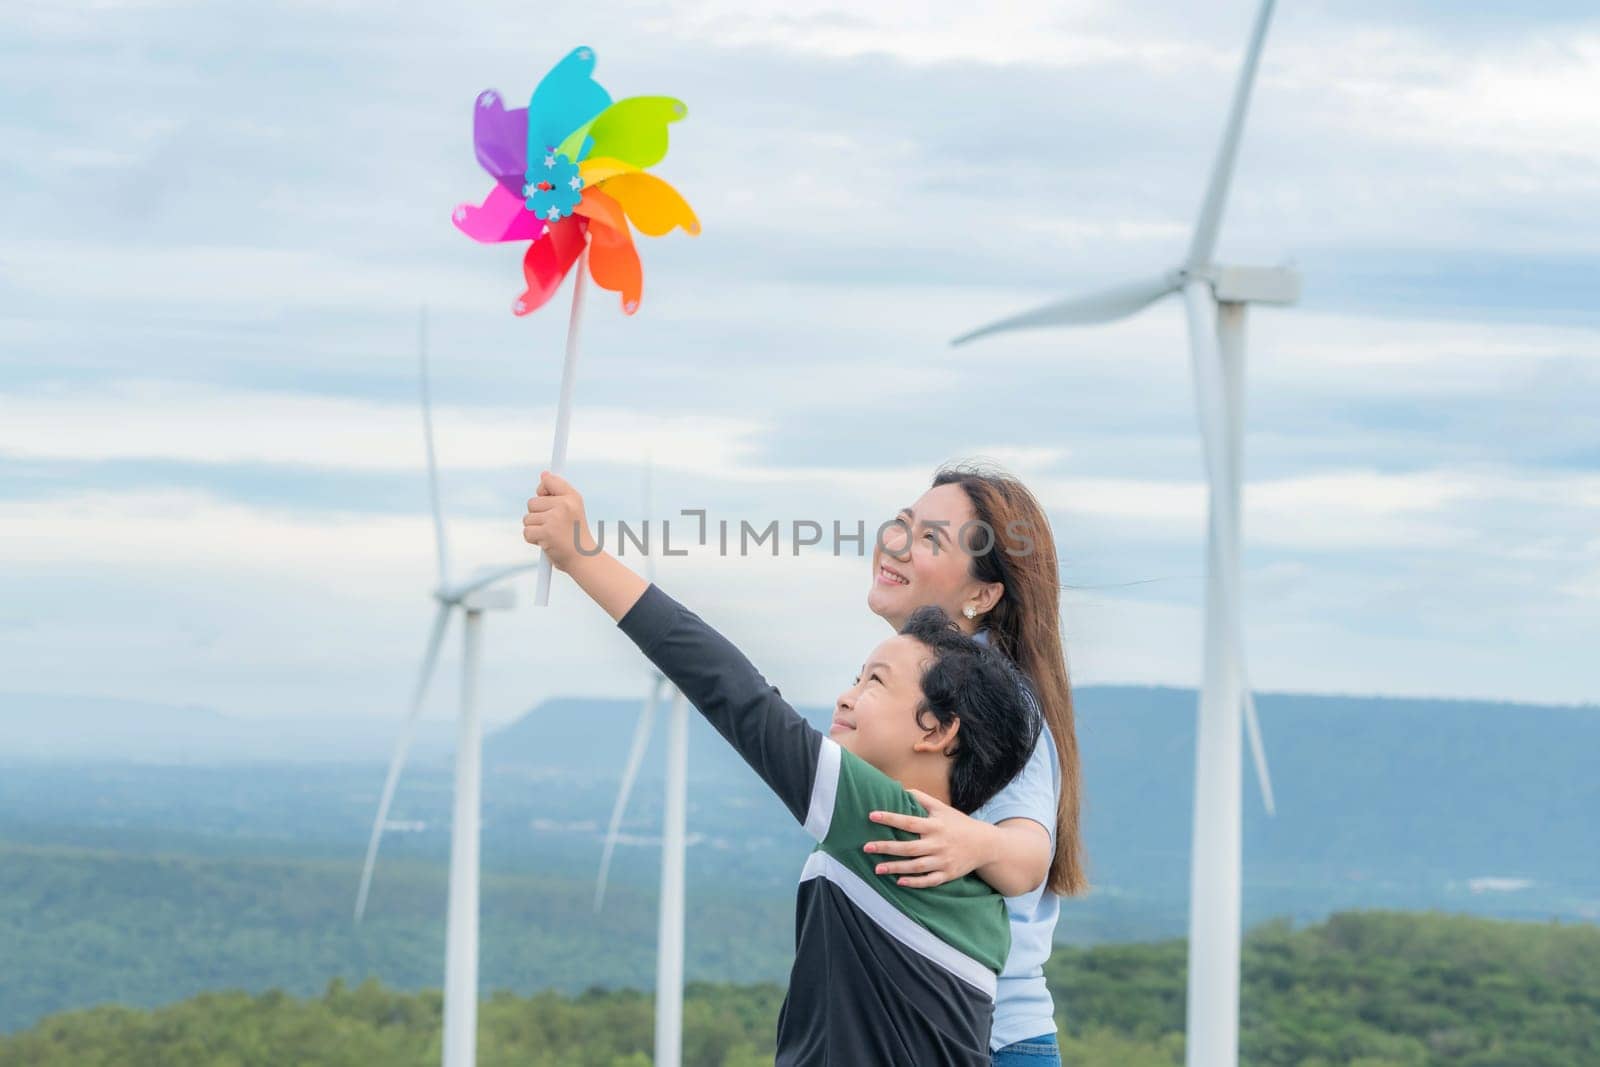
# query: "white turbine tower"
[669,930]
[472,597]
[1215,298]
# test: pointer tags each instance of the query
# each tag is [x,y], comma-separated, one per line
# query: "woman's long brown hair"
[1025,624]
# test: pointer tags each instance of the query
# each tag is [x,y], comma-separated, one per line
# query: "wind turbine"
[472,597]
[1215,298]
[670,921]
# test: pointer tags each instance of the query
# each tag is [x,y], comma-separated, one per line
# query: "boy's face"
[876,718]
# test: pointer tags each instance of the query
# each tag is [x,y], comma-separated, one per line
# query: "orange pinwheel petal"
[613,260]
[601,207]
[614,264]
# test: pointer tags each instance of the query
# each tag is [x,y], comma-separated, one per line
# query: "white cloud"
[219,591]
[199,424]
[225,279]
[1018,31]
[1336,507]
[1531,96]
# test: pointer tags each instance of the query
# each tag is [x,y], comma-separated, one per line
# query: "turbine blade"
[1107,305]
[1252,722]
[1204,242]
[430,657]
[630,772]
[484,579]
[1257,751]
[427,438]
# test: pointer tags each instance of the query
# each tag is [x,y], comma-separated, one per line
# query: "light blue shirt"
[1022,1007]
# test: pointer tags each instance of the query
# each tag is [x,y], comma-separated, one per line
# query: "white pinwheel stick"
[569,374]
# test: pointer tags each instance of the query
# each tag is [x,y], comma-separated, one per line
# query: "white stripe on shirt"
[898,925]
[824,788]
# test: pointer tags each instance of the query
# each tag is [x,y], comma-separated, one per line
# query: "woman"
[978,545]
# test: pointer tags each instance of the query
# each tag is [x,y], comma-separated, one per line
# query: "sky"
[220,222]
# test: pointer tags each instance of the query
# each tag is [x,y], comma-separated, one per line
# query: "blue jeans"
[1040,1051]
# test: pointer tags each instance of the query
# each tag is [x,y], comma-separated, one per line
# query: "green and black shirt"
[882,974]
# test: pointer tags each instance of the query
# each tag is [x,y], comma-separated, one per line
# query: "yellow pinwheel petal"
[650,203]
[594,171]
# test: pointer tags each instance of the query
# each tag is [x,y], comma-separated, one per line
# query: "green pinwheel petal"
[632,130]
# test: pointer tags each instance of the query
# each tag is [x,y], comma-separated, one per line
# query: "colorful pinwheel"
[569,169]
[569,176]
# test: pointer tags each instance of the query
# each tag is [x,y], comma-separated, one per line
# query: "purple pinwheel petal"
[501,138]
[501,217]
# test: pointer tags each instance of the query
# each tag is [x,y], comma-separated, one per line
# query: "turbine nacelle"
[1279,286]
[479,593]
[492,598]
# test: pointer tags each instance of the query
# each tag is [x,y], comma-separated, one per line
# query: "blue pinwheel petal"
[567,98]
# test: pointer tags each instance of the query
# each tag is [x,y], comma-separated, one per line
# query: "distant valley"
[107,808]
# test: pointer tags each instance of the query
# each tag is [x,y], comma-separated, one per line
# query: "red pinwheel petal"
[547,261]
[502,217]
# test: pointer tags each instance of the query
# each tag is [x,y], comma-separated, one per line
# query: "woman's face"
[920,561]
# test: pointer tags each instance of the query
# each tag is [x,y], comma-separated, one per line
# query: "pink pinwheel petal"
[502,217]
[547,262]
[501,139]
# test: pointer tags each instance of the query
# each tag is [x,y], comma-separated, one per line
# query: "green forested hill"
[86,926]
[1368,989]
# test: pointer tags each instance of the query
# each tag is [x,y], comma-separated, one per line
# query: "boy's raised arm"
[777,742]
[608,582]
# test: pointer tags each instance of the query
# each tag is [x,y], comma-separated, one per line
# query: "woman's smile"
[889,576]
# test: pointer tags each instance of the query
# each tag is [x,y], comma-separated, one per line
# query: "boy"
[882,974]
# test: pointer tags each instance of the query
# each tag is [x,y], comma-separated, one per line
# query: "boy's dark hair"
[977,685]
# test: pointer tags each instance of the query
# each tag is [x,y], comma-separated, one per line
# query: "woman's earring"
[970,612]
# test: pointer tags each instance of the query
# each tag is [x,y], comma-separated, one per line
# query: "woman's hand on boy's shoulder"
[1013,857]
[556,522]
[949,844]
